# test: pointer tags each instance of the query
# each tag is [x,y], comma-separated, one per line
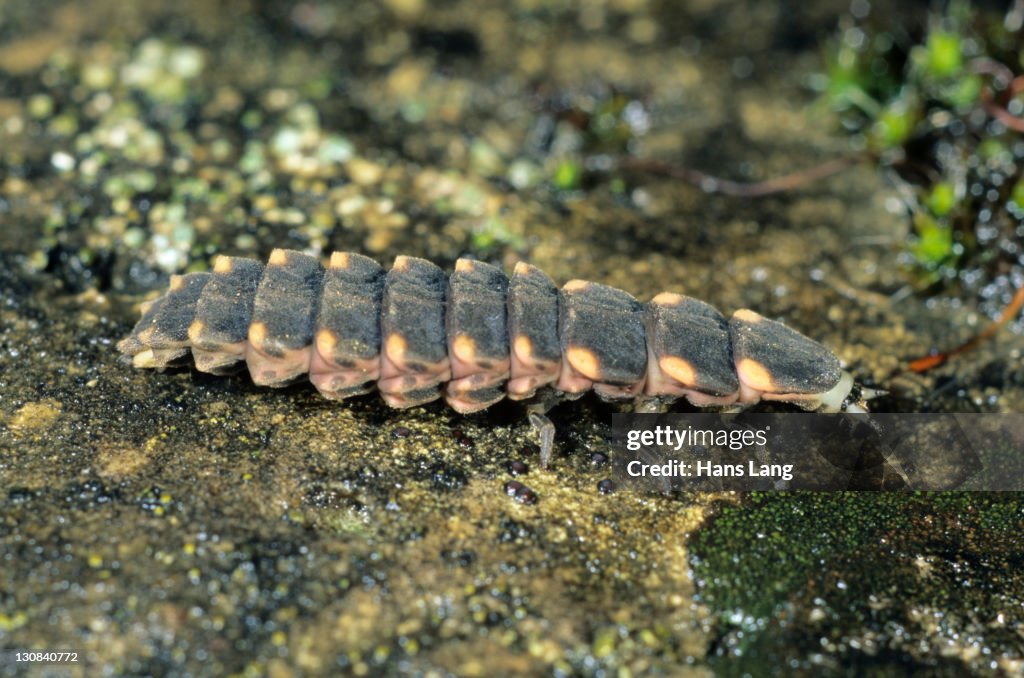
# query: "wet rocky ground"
[188,524]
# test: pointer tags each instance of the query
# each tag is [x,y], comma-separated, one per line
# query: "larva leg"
[536,411]
[546,431]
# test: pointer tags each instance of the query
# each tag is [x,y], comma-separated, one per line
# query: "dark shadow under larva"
[415,335]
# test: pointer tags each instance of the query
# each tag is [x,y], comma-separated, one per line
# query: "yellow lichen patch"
[584,361]
[257,334]
[326,341]
[464,265]
[177,282]
[33,416]
[575,286]
[121,462]
[523,346]
[748,316]
[667,299]
[755,375]
[339,261]
[195,331]
[222,264]
[464,348]
[679,369]
[278,257]
[395,346]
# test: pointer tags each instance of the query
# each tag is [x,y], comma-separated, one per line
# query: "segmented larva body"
[475,337]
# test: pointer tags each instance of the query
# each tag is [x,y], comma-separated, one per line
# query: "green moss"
[568,175]
[787,570]
[942,199]
[1017,196]
[944,54]
[935,241]
[895,125]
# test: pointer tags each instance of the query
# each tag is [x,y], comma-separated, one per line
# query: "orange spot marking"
[146,335]
[748,316]
[523,346]
[679,369]
[326,341]
[395,347]
[222,264]
[575,286]
[401,262]
[464,349]
[340,260]
[464,265]
[278,258]
[755,375]
[667,299]
[195,331]
[584,361]
[177,282]
[257,334]
[522,268]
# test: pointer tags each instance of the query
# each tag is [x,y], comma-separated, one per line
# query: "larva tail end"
[847,396]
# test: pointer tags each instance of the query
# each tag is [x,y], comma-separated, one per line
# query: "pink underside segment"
[618,391]
[660,384]
[397,379]
[571,381]
[468,376]
[527,375]
[270,371]
[221,360]
[337,382]
[752,396]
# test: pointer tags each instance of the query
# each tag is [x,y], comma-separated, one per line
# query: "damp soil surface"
[176,522]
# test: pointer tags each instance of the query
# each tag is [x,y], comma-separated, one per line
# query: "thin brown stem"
[712,184]
[929,362]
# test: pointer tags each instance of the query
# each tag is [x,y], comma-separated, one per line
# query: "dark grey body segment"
[165,322]
[350,306]
[610,324]
[286,302]
[796,363]
[172,319]
[533,312]
[414,309]
[477,301]
[226,302]
[699,334]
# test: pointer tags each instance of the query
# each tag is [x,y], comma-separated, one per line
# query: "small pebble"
[462,439]
[518,468]
[400,432]
[526,496]
[512,487]
[606,486]
[598,459]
